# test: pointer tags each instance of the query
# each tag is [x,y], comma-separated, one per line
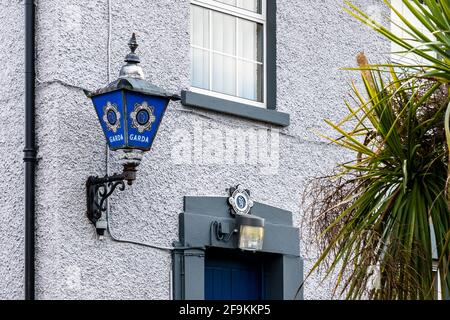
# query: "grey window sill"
[197,100]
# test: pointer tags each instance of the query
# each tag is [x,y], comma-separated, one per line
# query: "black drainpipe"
[30,147]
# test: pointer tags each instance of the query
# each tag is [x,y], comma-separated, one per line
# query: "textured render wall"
[11,146]
[314,41]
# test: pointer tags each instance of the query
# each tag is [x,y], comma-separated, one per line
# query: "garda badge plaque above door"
[240,200]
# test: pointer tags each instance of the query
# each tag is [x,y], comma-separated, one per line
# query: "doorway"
[232,274]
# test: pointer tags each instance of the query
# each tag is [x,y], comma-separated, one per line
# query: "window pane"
[230,2]
[224,33]
[250,38]
[250,80]
[200,68]
[224,74]
[251,5]
[199,27]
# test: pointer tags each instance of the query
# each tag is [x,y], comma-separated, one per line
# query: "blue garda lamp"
[130,110]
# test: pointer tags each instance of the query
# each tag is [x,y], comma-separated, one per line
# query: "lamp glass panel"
[144,115]
[251,238]
[109,108]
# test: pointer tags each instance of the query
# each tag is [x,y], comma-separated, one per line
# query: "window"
[400,29]
[228,58]
[437,281]
[234,59]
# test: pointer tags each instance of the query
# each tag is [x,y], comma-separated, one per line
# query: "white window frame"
[438,292]
[260,18]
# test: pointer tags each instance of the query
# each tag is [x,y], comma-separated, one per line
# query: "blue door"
[233,275]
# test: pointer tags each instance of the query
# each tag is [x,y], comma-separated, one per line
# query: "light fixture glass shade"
[129,119]
[251,232]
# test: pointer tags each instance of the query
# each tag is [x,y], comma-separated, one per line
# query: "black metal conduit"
[30,148]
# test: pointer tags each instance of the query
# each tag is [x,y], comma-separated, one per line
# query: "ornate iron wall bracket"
[98,190]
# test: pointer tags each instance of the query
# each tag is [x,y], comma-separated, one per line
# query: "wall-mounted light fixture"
[130,110]
[251,232]
[250,228]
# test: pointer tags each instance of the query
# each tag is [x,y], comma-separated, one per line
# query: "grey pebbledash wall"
[313,42]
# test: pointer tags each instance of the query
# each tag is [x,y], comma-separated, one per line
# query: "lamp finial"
[133,43]
[132,57]
[131,69]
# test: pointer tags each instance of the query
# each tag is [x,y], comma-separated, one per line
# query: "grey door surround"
[195,231]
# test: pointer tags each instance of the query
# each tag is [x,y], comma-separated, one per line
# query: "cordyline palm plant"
[381,214]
